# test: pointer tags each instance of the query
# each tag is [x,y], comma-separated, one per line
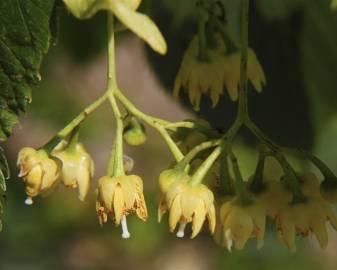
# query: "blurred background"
[295,41]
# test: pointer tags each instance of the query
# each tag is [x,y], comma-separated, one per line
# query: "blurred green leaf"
[24,39]
[4,170]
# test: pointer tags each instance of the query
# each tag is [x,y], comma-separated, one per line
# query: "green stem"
[225,178]
[63,133]
[116,164]
[156,123]
[195,151]
[243,100]
[257,181]
[231,47]
[291,177]
[203,56]
[201,172]
[240,186]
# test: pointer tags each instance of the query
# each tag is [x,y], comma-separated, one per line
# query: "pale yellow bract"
[125,11]
[120,196]
[77,168]
[38,170]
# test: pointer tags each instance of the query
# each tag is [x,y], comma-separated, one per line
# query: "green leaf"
[4,170]
[24,39]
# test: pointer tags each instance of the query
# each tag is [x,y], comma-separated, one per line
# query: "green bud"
[134,132]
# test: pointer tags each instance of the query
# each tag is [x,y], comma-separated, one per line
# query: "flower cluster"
[220,70]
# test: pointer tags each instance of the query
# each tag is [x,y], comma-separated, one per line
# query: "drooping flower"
[118,197]
[303,219]
[77,168]
[38,170]
[201,77]
[189,204]
[231,72]
[273,197]
[239,222]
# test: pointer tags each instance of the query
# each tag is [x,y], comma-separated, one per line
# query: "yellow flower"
[77,168]
[166,179]
[38,170]
[201,77]
[303,219]
[240,221]
[273,197]
[231,73]
[187,203]
[118,197]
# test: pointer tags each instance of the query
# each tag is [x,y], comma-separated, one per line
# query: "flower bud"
[38,170]
[134,132]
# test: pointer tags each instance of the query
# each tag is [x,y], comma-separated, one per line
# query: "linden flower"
[273,197]
[38,170]
[77,168]
[118,197]
[240,222]
[200,77]
[231,74]
[305,218]
[187,203]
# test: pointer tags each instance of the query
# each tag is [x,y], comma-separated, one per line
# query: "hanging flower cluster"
[204,186]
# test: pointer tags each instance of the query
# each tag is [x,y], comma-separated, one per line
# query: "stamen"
[21,173]
[29,201]
[125,232]
[229,239]
[181,230]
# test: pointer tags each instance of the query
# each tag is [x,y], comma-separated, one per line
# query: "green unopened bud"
[134,132]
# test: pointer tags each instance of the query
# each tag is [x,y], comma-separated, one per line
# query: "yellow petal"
[118,205]
[175,213]
[141,209]
[211,219]
[321,234]
[83,180]
[198,219]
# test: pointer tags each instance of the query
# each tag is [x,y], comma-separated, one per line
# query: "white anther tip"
[29,201]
